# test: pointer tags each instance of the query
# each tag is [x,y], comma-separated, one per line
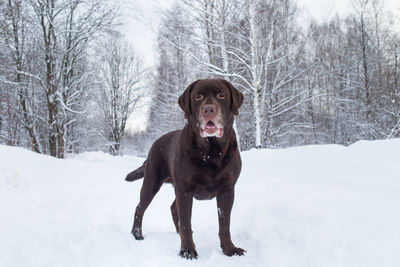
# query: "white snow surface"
[321,205]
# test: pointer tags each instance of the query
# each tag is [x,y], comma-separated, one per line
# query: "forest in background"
[69,80]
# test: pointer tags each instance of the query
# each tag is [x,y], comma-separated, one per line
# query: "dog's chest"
[208,185]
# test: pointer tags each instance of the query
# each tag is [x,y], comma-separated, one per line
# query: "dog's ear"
[184,99]
[237,97]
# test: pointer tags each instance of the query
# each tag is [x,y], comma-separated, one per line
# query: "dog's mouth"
[211,129]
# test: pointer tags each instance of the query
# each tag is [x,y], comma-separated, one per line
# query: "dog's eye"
[221,96]
[198,97]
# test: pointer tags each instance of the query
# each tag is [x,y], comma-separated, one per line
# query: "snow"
[322,205]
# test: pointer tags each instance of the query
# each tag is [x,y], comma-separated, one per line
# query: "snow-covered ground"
[307,206]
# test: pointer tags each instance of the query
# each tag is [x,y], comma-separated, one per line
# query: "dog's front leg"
[184,203]
[225,203]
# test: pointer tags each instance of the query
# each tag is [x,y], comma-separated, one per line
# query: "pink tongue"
[210,125]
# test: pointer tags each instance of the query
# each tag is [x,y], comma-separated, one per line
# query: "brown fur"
[199,167]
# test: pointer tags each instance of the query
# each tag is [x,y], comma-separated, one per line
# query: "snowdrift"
[308,206]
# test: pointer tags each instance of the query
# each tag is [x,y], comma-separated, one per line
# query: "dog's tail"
[136,174]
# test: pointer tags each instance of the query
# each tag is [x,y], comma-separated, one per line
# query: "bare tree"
[67,27]
[15,31]
[251,44]
[120,75]
[336,82]
[174,72]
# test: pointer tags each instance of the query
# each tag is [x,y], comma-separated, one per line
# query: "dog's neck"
[211,148]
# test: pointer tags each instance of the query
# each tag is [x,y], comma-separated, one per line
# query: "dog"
[202,161]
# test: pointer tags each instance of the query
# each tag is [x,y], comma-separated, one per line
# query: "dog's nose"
[209,110]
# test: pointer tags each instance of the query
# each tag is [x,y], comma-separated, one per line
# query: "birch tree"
[233,42]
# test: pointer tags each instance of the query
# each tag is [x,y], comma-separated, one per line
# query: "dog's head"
[210,105]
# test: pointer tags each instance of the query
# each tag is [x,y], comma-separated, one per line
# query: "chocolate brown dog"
[202,161]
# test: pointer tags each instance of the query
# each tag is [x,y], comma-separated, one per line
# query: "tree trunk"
[255,77]
[60,143]
[365,66]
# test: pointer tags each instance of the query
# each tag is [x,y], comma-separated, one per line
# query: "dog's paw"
[234,251]
[137,234]
[188,254]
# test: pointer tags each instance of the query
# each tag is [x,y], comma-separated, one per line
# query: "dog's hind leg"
[175,217]
[151,185]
